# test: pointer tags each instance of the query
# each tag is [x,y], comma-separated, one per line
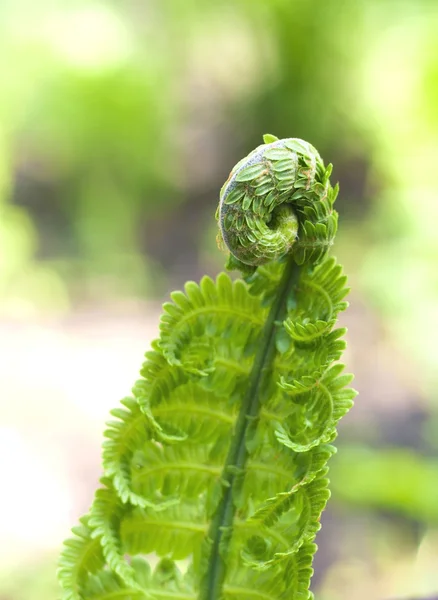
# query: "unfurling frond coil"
[220,457]
[277,201]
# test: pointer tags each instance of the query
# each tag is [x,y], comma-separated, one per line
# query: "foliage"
[36,580]
[392,478]
[220,457]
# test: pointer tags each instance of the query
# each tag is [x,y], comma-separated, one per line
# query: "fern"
[215,470]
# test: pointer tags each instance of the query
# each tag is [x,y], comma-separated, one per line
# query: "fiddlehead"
[278,201]
[220,457]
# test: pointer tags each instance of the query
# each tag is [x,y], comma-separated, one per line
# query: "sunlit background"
[119,122]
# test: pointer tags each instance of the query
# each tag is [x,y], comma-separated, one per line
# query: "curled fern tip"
[278,201]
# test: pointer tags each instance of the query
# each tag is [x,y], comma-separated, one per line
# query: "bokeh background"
[119,122]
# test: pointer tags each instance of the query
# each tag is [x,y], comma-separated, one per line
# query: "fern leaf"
[219,459]
[274,533]
[105,518]
[172,532]
[123,437]
[81,556]
[166,581]
[202,312]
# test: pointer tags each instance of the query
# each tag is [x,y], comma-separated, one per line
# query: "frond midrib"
[88,550]
[215,309]
[175,466]
[228,362]
[125,431]
[135,526]
[238,453]
[194,408]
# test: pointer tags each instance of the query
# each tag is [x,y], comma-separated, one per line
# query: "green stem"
[220,531]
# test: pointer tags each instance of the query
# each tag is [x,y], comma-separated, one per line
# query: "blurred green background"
[119,122]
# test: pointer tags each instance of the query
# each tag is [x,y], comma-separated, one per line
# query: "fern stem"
[222,523]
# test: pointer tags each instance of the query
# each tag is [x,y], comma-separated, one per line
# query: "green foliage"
[219,459]
[391,479]
[35,580]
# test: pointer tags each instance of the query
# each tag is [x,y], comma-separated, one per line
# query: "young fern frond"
[219,459]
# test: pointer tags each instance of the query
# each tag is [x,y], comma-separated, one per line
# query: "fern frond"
[220,457]
[82,555]
[319,299]
[172,532]
[274,533]
[181,470]
[105,518]
[107,586]
[124,436]
[310,417]
[189,410]
[164,582]
[205,310]
[273,468]
[288,580]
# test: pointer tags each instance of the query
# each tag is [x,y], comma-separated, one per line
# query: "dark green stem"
[221,527]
